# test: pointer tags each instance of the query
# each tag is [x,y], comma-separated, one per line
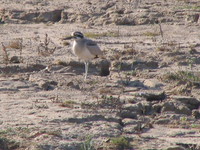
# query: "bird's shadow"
[74,67]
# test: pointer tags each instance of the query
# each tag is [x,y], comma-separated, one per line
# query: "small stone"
[182,109]
[196,114]
[157,107]
[64,16]
[128,121]
[137,108]
[191,102]
[162,121]
[136,83]
[49,16]
[176,107]
[146,108]
[152,83]
[130,129]
[176,148]
[73,85]
[128,114]
[126,20]
[15,59]
[46,85]
[144,64]
[192,18]
[105,65]
[168,106]
[155,96]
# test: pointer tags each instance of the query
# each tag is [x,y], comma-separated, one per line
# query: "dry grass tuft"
[183,77]
[66,43]
[16,44]
[6,59]
[60,62]
[121,143]
[99,35]
[45,48]
[68,103]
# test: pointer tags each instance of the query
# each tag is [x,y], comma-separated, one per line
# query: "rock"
[64,16]
[105,6]
[45,146]
[73,85]
[176,148]
[188,146]
[121,65]
[190,102]
[105,65]
[125,80]
[157,108]
[162,121]
[144,64]
[131,129]
[47,85]
[154,96]
[95,117]
[176,107]
[82,18]
[137,108]
[182,109]
[196,113]
[140,108]
[136,83]
[28,16]
[42,81]
[127,114]
[142,21]
[180,133]
[152,83]
[129,65]
[146,108]
[125,20]
[168,106]
[192,18]
[21,68]
[47,16]
[15,59]
[128,121]
[50,16]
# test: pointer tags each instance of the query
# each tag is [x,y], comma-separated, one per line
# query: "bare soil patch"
[149,100]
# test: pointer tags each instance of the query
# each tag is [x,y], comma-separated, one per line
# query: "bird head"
[75,35]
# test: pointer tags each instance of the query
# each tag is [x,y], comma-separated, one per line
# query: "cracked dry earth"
[150,99]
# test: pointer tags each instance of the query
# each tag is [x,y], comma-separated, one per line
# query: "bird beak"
[68,38]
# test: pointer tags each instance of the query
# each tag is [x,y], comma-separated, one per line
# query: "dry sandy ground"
[55,108]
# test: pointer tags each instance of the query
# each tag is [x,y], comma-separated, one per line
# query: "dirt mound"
[101,12]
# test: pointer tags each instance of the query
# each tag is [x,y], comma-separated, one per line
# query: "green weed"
[68,103]
[88,144]
[184,77]
[196,126]
[121,143]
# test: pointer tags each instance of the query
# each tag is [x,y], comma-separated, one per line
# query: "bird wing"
[93,48]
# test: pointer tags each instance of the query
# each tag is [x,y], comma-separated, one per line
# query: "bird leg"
[86,69]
